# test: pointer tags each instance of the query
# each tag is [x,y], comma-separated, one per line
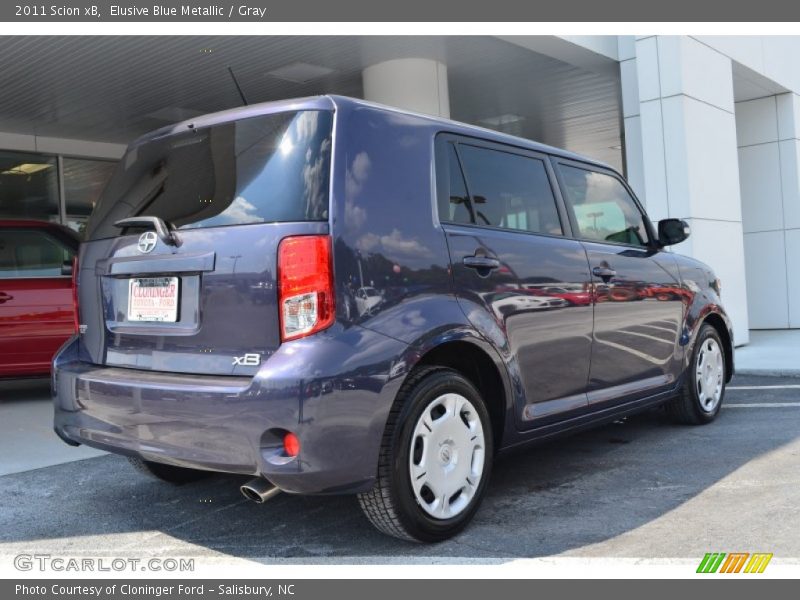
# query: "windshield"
[262,169]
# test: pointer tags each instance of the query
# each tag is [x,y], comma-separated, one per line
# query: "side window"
[459,209]
[30,253]
[509,190]
[603,208]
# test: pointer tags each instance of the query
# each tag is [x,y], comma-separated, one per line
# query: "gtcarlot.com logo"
[734,562]
[47,562]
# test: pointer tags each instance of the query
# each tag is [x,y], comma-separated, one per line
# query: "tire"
[168,473]
[699,400]
[461,435]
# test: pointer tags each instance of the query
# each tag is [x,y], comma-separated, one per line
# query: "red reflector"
[76,319]
[291,444]
[305,285]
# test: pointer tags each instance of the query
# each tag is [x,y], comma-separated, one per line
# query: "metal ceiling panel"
[115,88]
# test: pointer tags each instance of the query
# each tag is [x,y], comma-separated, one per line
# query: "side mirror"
[672,231]
[66,268]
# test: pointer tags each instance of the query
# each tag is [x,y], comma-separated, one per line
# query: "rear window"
[272,168]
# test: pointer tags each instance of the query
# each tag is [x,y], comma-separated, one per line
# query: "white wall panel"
[691,68]
[634,157]
[756,121]
[654,167]
[788,116]
[765,260]
[647,69]
[711,162]
[760,184]
[790,184]
[793,281]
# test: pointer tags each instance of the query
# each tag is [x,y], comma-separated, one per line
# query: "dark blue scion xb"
[336,297]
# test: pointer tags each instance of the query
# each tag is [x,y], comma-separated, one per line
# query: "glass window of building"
[28,186]
[84,180]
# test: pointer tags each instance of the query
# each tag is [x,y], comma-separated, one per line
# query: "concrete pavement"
[26,424]
[640,488]
[770,352]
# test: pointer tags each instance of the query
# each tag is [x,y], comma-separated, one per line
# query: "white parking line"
[763,387]
[763,405]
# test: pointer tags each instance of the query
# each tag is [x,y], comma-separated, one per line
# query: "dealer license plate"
[153,299]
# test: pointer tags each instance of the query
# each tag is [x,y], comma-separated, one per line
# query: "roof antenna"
[238,87]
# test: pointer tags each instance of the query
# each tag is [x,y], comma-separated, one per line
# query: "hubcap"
[709,375]
[447,454]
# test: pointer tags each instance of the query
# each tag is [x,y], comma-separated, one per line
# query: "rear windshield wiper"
[165,231]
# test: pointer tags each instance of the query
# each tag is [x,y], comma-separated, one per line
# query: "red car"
[37,308]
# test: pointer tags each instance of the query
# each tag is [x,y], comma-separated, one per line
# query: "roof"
[332,102]
[472,130]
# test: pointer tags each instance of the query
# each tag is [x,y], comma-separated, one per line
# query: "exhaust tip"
[250,494]
[259,490]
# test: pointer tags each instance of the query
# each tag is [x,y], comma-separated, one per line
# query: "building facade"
[704,128]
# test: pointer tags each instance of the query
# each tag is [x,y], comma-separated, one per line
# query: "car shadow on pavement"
[21,390]
[544,500]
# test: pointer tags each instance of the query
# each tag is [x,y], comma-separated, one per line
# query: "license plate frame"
[158,306]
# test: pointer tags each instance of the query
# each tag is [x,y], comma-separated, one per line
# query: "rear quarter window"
[496,188]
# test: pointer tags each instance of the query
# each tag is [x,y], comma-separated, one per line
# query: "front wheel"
[703,389]
[435,460]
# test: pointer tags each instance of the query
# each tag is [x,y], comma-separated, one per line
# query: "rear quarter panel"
[387,236]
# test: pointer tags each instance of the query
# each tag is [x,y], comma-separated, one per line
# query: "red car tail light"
[305,285]
[76,318]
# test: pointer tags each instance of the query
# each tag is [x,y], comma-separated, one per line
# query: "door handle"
[5,297]
[604,273]
[481,263]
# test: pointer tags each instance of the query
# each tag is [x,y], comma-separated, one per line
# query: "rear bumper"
[234,424]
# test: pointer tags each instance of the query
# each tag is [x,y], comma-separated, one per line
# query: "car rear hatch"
[179,270]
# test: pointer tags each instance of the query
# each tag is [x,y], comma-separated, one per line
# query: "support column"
[416,84]
[789,145]
[770,188]
[681,152]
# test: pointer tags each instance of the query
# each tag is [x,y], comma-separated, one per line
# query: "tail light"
[76,318]
[305,285]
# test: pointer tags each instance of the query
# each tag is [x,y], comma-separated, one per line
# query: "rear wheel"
[168,473]
[435,459]
[703,388]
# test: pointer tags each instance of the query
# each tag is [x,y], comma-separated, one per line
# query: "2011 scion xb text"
[53,10]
